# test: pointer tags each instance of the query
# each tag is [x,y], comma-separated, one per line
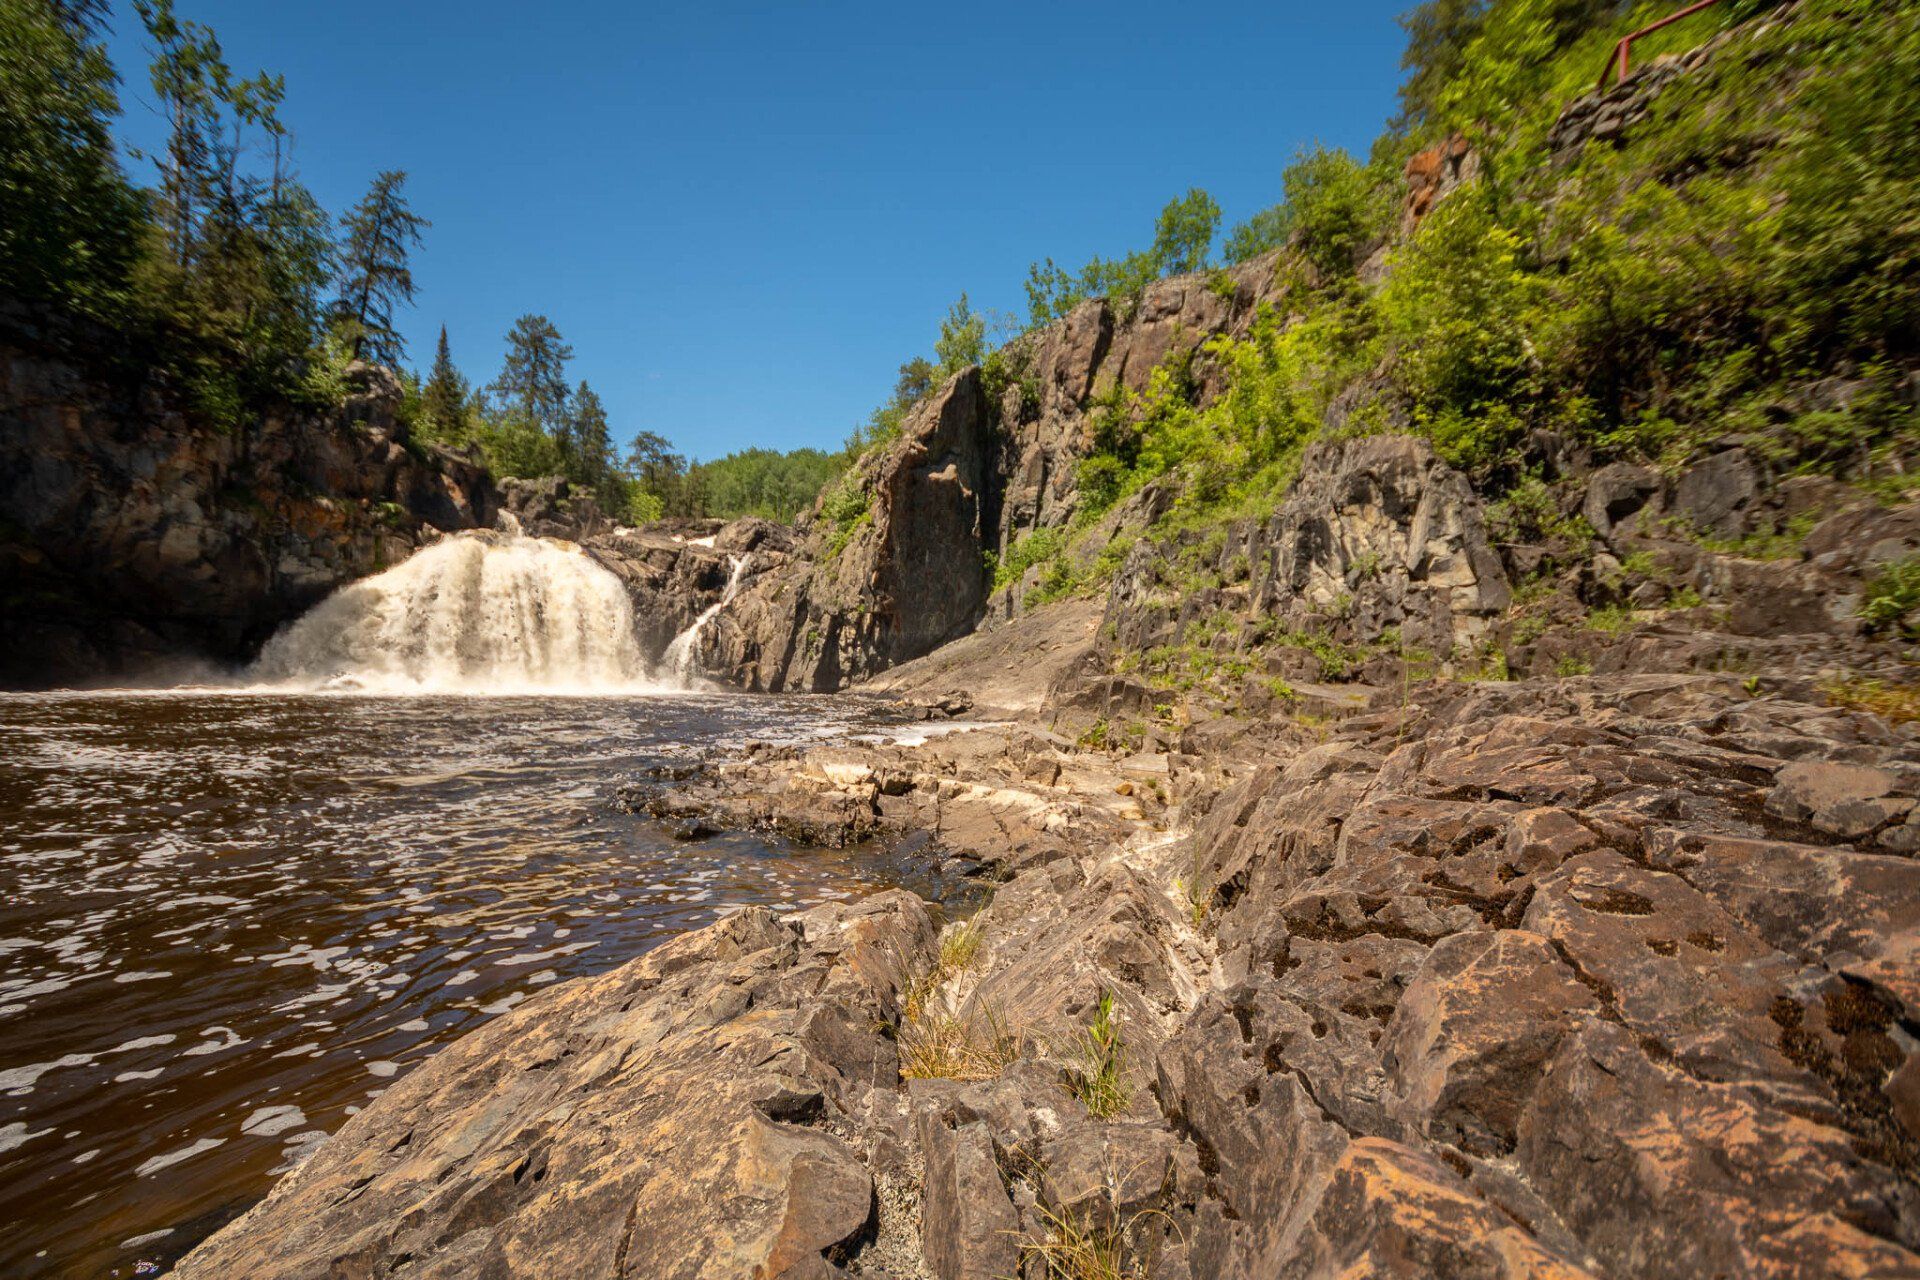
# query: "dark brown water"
[229,922]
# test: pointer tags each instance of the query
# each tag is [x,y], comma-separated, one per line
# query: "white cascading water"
[478,612]
[682,658]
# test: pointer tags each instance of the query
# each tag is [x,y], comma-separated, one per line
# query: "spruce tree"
[591,440]
[375,277]
[443,401]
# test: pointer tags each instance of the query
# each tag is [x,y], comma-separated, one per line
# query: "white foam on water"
[172,1158]
[144,1042]
[16,1135]
[20,1080]
[229,1039]
[269,1122]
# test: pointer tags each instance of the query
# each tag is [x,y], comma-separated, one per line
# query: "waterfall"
[682,658]
[477,612]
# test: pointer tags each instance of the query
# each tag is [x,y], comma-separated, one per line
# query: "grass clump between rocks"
[1892,596]
[1898,703]
[1099,1081]
[972,1045]
[960,946]
[1082,1250]
[976,1045]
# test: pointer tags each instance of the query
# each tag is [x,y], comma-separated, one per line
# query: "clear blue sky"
[745,217]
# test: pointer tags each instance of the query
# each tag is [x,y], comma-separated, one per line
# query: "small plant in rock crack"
[1099,1080]
[1195,894]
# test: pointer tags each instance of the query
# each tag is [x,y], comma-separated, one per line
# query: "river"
[229,921]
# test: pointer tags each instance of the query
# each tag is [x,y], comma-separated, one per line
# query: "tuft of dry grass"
[1899,703]
[943,1046]
[960,946]
[1076,1250]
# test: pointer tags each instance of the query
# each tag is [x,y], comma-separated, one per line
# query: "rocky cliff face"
[132,535]
[901,567]
[901,577]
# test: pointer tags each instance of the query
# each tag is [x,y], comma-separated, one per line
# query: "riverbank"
[1598,976]
[232,920]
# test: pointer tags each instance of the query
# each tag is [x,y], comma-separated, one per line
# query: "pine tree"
[443,401]
[533,381]
[375,277]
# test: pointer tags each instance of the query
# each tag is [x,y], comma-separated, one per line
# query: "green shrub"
[1037,547]
[1338,208]
[1892,596]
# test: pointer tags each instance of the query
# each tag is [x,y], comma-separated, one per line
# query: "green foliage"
[1456,311]
[514,445]
[1892,598]
[1338,208]
[1265,230]
[962,340]
[1529,514]
[589,459]
[1183,238]
[1758,228]
[375,276]
[762,482]
[846,507]
[443,401]
[1611,620]
[533,377]
[1038,547]
[1099,1079]
[69,223]
[1770,542]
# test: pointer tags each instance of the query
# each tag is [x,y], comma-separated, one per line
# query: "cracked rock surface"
[1603,976]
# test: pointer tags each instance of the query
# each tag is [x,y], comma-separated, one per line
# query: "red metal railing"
[1617,61]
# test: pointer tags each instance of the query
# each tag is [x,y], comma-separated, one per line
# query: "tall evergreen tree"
[533,381]
[591,441]
[375,277]
[443,401]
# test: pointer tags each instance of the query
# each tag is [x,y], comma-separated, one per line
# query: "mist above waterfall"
[478,612]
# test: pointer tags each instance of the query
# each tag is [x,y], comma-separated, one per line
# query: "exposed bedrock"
[1607,976]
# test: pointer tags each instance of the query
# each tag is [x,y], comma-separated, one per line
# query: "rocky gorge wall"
[133,534]
[899,565]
